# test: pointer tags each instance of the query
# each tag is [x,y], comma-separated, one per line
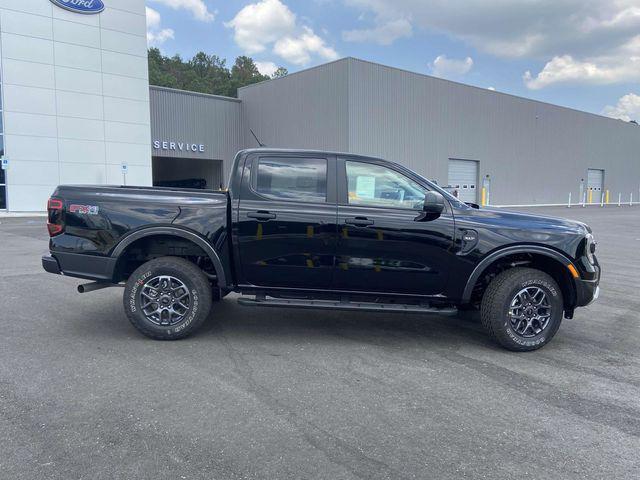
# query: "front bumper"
[588,290]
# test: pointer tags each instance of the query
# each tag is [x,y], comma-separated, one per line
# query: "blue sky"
[583,54]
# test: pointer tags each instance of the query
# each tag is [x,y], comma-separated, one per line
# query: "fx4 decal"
[84,209]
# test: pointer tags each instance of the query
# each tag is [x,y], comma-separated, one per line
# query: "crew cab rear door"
[286,225]
[383,246]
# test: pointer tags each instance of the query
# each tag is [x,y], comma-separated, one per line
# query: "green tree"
[205,73]
[280,72]
[245,72]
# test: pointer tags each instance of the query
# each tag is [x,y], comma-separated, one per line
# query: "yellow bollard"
[590,196]
[484,196]
[607,200]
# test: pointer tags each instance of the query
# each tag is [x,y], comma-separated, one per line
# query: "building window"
[294,179]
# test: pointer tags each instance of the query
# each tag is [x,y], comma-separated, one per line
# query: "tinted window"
[373,185]
[300,179]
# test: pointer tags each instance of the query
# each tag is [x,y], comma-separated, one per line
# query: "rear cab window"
[291,179]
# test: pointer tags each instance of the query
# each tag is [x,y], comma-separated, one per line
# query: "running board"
[338,305]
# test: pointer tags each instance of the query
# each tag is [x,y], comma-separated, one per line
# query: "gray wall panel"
[307,109]
[196,118]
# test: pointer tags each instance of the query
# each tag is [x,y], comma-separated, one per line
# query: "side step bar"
[262,301]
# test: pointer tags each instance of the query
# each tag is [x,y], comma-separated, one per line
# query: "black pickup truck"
[313,229]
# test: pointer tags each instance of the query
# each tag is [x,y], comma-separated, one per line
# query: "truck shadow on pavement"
[308,326]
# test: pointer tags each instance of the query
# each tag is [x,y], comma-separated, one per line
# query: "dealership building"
[76,108]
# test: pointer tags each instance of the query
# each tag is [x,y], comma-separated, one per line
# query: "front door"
[383,246]
[286,225]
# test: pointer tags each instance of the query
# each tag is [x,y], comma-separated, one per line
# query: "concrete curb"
[23,214]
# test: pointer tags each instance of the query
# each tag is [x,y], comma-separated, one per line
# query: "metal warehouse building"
[76,107]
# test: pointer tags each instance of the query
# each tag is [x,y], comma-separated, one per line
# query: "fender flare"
[492,257]
[176,232]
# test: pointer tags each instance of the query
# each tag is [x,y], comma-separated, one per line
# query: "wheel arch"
[555,264]
[176,232]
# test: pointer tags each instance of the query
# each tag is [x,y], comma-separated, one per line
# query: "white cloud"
[271,24]
[262,23]
[493,89]
[267,68]
[450,67]
[156,35]
[598,71]
[627,108]
[298,49]
[596,34]
[383,34]
[198,8]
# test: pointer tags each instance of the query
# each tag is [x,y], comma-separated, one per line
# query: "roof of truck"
[312,151]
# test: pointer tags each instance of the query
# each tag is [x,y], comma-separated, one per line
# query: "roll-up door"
[463,176]
[595,185]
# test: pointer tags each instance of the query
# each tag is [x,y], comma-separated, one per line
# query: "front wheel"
[522,309]
[167,298]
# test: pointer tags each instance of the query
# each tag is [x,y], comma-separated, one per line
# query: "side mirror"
[432,208]
[433,203]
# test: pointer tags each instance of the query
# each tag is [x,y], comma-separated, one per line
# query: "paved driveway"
[279,394]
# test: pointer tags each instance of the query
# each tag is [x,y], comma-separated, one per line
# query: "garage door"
[595,184]
[463,176]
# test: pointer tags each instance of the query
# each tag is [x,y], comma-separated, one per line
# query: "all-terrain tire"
[194,281]
[496,304]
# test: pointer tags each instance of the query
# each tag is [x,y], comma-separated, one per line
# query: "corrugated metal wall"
[535,153]
[199,119]
[307,109]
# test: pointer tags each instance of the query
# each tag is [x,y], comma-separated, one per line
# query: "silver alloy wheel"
[165,300]
[530,312]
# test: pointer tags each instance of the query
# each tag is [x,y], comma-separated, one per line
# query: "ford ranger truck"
[314,229]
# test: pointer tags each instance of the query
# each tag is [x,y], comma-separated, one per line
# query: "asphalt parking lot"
[279,394]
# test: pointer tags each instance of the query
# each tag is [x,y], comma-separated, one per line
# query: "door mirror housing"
[433,203]
[432,208]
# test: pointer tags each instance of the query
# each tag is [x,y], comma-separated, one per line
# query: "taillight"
[55,208]
[54,204]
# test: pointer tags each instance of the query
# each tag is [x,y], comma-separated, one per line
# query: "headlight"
[590,248]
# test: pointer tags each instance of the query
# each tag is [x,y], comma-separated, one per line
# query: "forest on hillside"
[205,73]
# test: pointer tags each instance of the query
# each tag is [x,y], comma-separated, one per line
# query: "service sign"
[87,7]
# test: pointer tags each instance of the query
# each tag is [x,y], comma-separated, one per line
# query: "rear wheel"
[167,298]
[522,309]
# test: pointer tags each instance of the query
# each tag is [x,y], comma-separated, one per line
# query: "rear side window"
[295,179]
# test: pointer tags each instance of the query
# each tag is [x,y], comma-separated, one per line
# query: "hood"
[498,227]
[518,220]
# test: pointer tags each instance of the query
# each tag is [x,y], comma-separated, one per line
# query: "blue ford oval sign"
[88,7]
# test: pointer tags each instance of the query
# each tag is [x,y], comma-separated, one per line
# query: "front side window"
[377,186]
[294,179]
